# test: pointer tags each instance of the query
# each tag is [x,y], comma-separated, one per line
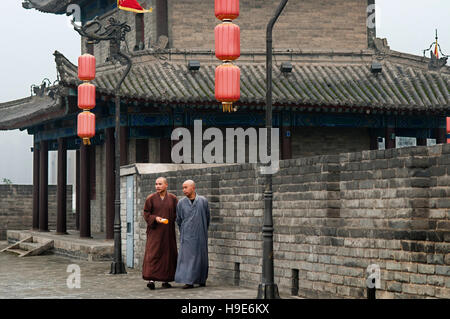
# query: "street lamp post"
[115,32]
[267,289]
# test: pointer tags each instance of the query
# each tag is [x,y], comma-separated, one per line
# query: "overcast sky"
[29,39]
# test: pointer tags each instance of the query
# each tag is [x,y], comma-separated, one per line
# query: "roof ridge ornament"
[381,48]
[45,88]
[436,63]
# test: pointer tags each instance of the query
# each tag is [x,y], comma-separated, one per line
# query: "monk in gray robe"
[193,217]
[160,259]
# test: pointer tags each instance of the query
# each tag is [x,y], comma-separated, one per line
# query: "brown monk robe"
[160,260]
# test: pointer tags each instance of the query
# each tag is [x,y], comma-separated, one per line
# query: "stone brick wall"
[304,24]
[334,215]
[16,208]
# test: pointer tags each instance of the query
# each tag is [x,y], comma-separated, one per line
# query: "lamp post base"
[268,291]
[117,268]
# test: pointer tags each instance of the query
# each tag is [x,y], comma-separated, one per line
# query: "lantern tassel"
[86,141]
[228,107]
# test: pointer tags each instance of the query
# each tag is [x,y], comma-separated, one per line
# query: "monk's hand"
[159,220]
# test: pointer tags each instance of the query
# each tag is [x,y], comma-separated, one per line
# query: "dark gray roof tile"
[31,110]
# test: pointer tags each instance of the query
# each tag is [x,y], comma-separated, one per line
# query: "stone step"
[19,252]
[41,240]
[29,246]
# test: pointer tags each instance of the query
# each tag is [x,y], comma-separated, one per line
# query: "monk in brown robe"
[160,260]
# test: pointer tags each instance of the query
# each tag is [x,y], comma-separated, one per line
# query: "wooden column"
[373,143]
[43,187]
[165,150]
[373,139]
[92,173]
[77,190]
[85,203]
[421,141]
[61,216]
[36,168]
[178,122]
[123,145]
[142,150]
[110,182]
[441,135]
[389,141]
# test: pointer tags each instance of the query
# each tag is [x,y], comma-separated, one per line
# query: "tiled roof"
[404,84]
[29,111]
[52,6]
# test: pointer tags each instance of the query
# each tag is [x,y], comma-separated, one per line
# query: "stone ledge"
[94,249]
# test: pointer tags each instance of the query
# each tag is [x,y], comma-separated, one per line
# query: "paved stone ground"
[46,277]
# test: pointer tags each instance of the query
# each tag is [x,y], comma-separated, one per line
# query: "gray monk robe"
[160,258]
[193,221]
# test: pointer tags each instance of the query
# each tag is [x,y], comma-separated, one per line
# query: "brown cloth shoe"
[166,285]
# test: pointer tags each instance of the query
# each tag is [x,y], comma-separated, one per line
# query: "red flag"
[436,52]
[131,5]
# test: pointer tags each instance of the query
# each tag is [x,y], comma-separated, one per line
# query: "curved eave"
[30,111]
[51,6]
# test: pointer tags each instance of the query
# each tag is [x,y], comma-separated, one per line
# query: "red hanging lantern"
[448,130]
[227,88]
[228,41]
[226,9]
[86,126]
[228,48]
[86,96]
[86,67]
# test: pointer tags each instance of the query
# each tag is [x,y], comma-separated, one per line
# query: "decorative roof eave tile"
[29,111]
[52,6]
[338,80]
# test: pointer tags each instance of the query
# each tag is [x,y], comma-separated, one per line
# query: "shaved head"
[189,188]
[161,185]
[189,182]
[162,179]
